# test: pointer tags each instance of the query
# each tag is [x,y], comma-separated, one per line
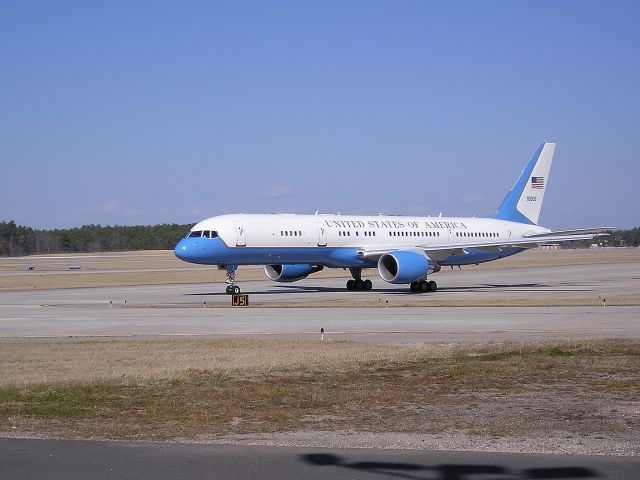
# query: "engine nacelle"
[403,267]
[289,273]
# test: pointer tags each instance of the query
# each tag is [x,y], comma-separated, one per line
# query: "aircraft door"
[322,234]
[507,231]
[241,237]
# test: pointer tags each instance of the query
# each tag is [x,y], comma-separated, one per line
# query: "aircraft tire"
[228,290]
[413,286]
[368,285]
[433,286]
[235,289]
[423,286]
[351,284]
[359,285]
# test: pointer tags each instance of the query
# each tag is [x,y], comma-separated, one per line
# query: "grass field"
[196,389]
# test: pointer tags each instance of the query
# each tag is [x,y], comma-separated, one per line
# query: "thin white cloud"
[473,199]
[282,191]
[109,208]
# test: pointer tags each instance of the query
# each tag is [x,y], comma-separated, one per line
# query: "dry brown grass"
[86,362]
[185,390]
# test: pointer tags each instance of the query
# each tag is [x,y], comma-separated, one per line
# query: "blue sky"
[150,112]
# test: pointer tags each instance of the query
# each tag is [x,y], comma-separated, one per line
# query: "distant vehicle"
[405,250]
[74,267]
[31,267]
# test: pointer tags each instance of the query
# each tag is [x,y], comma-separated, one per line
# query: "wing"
[442,251]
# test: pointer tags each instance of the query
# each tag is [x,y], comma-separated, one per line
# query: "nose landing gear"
[232,288]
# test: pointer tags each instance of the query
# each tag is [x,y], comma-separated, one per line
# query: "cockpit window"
[203,234]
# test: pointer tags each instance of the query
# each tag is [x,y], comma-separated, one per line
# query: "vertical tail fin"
[523,203]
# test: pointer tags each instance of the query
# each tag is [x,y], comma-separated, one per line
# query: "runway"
[285,310]
[59,459]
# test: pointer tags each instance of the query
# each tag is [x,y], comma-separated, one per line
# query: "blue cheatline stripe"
[509,208]
[215,252]
[206,251]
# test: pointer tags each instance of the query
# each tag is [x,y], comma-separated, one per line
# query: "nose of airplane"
[186,250]
[203,250]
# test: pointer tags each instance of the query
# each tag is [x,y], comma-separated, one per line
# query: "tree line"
[17,240]
[622,238]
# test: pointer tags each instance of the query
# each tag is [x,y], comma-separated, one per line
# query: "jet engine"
[403,266]
[290,273]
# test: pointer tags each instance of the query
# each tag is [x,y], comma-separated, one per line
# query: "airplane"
[404,250]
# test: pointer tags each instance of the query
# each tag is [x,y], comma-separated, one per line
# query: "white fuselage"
[291,231]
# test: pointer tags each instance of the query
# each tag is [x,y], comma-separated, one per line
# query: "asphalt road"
[60,459]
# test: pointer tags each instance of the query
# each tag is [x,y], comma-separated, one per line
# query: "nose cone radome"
[186,250]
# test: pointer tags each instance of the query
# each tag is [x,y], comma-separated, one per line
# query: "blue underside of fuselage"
[213,251]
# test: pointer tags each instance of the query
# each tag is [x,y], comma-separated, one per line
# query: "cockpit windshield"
[201,233]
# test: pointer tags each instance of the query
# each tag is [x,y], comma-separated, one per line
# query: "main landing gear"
[232,288]
[357,283]
[423,286]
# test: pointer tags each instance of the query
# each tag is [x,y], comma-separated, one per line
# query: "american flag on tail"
[537,182]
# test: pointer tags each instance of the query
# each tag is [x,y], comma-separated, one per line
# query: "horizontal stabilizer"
[582,231]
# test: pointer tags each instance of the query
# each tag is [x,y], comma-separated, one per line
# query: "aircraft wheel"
[368,284]
[424,287]
[229,289]
[351,284]
[235,289]
[359,285]
[433,286]
[413,287]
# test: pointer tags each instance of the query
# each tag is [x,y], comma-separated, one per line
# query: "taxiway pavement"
[203,309]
